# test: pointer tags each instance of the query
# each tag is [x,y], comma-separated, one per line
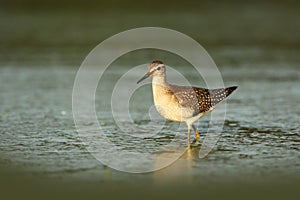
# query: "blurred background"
[255,44]
[63,32]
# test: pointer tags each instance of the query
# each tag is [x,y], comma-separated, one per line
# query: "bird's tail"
[218,95]
[229,90]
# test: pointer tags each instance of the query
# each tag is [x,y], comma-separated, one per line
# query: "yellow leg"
[189,135]
[197,134]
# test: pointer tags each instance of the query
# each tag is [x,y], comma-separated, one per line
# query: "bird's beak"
[144,77]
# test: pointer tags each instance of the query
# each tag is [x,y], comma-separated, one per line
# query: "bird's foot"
[197,139]
[189,146]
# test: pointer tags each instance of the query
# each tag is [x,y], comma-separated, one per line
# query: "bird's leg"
[189,133]
[197,134]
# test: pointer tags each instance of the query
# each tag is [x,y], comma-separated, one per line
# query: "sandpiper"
[182,103]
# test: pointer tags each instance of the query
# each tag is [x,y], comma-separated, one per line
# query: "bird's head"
[156,68]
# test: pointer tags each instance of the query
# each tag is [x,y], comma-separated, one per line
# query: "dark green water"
[256,46]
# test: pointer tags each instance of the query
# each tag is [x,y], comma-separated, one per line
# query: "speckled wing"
[200,100]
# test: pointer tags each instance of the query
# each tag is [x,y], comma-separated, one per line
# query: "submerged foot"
[197,139]
[197,134]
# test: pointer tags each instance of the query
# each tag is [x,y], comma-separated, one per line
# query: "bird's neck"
[159,80]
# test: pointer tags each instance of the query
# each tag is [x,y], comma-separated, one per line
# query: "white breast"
[166,103]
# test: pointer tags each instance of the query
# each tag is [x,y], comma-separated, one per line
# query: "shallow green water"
[260,136]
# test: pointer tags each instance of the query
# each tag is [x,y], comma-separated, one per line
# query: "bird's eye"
[158,68]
